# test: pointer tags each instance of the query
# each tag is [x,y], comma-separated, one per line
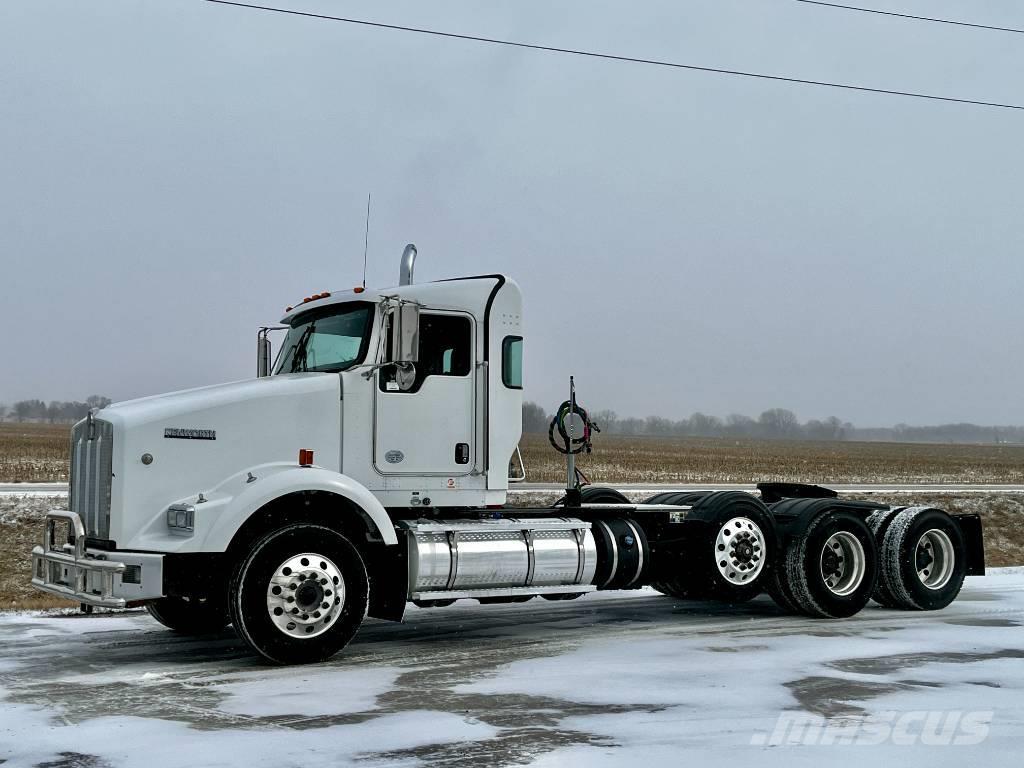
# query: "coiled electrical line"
[577,443]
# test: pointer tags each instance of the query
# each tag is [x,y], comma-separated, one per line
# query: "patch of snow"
[28,736]
[301,691]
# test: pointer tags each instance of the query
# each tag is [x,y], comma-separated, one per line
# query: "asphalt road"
[612,679]
[62,488]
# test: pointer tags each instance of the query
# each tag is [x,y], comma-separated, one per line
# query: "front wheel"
[301,595]
[190,616]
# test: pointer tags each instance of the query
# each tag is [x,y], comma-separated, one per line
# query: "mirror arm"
[264,349]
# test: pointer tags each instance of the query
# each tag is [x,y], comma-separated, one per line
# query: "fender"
[273,486]
[794,515]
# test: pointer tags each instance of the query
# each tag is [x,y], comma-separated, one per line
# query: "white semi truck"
[369,468]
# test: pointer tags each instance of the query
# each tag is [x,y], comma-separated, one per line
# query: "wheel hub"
[305,595]
[309,595]
[740,551]
[842,563]
[934,559]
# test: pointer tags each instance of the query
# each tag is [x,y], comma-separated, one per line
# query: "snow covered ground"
[614,679]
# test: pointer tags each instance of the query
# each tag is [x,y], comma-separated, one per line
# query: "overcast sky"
[173,174]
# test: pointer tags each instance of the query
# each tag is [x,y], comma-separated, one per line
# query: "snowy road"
[613,679]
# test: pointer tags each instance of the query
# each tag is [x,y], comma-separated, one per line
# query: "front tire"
[190,616]
[301,595]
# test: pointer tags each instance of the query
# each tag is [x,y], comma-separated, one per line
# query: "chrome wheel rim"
[842,563]
[305,596]
[934,559]
[740,551]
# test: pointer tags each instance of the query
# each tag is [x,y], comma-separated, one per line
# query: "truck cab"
[441,426]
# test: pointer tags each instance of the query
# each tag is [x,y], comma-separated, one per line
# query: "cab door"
[429,428]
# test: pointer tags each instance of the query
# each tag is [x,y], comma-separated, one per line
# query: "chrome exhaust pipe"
[408,262]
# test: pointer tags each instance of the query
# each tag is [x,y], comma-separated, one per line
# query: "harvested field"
[34,453]
[39,453]
[21,528]
[619,459]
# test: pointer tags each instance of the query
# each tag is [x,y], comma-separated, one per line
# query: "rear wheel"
[190,616]
[672,589]
[433,603]
[731,556]
[924,559]
[301,595]
[677,498]
[829,569]
[879,523]
[593,494]
[564,596]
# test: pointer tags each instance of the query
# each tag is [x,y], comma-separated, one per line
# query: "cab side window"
[446,349]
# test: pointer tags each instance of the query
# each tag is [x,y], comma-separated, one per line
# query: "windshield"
[331,339]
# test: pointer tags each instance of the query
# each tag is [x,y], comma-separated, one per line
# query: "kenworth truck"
[368,467]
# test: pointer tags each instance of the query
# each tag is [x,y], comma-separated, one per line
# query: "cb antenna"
[366,239]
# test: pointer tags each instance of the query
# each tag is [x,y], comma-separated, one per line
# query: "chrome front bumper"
[70,571]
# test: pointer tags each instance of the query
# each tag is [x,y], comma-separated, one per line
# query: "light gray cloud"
[174,174]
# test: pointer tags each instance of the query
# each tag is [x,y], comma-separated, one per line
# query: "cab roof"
[467,294]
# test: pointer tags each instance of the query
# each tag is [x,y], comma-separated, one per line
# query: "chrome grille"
[92,449]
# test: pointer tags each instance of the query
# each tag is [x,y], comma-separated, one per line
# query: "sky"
[173,174]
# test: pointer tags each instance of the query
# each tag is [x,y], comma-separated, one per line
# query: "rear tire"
[732,557]
[565,596]
[829,569]
[433,603]
[924,559]
[677,498]
[301,595]
[672,589]
[879,523]
[594,494]
[190,616]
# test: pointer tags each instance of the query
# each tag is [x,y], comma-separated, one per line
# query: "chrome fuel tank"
[471,558]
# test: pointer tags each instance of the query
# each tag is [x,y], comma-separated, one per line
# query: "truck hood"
[197,440]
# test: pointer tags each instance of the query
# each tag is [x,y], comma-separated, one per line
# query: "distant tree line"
[778,424]
[53,412]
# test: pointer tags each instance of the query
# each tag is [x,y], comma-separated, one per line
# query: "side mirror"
[405,334]
[263,355]
[265,350]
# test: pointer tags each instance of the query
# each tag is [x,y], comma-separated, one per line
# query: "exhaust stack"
[408,262]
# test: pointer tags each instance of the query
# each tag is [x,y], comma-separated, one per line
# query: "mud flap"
[970,526]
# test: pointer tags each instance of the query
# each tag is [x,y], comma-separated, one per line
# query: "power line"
[911,16]
[613,57]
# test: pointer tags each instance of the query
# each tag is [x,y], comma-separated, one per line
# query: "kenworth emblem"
[191,434]
[394,457]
